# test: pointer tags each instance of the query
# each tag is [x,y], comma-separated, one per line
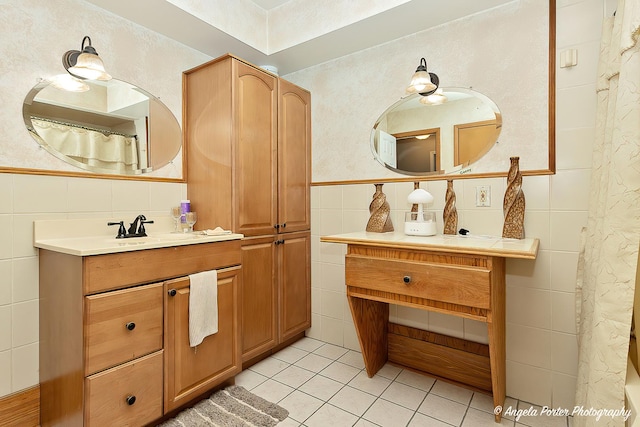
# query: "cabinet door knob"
[406,279]
[284,225]
[276,226]
[172,292]
[130,400]
[130,326]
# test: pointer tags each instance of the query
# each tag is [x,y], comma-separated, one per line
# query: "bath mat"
[232,407]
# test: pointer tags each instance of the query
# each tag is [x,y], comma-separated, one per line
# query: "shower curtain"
[609,254]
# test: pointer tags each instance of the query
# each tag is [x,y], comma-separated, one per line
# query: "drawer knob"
[172,292]
[130,400]
[130,326]
[406,279]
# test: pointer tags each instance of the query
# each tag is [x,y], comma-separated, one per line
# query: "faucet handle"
[141,230]
[122,232]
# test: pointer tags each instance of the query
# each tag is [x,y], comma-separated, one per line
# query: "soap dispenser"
[420,223]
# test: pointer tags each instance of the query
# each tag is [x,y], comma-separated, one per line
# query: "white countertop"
[84,237]
[477,245]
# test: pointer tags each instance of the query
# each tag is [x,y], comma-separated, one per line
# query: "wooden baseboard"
[458,360]
[21,409]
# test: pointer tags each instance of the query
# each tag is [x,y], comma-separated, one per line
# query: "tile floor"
[323,385]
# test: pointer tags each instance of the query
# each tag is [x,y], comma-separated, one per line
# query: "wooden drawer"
[456,284]
[115,271]
[122,325]
[128,395]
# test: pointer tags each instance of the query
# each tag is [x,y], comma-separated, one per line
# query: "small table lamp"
[420,223]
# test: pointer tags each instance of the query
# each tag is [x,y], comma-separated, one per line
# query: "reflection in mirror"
[418,137]
[112,128]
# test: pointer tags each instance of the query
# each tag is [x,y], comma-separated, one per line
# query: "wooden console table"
[457,275]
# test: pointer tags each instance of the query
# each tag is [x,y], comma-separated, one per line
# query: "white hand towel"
[203,306]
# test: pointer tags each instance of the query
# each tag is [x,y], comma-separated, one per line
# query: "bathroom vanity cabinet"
[114,345]
[454,275]
[248,137]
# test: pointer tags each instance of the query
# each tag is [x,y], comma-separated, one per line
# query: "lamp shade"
[85,64]
[420,196]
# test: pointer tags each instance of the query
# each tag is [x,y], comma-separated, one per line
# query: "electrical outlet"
[483,195]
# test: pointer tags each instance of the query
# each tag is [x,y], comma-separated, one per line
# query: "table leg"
[371,321]
[497,332]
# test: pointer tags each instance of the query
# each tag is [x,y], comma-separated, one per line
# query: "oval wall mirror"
[437,134]
[111,128]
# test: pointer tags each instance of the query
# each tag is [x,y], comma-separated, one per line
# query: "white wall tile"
[582,73]
[446,324]
[315,197]
[409,316]
[565,228]
[24,367]
[5,332]
[354,220]
[332,278]
[24,323]
[330,222]
[130,197]
[563,312]
[316,299]
[530,346]
[331,197]
[356,197]
[579,22]
[564,353]
[570,190]
[529,383]
[529,307]
[332,253]
[476,331]
[6,236]
[351,337]
[315,331]
[564,267]
[487,221]
[536,192]
[332,330]
[37,193]
[564,391]
[164,195]
[89,195]
[576,107]
[529,273]
[6,274]
[25,279]
[6,193]
[333,304]
[5,372]
[574,148]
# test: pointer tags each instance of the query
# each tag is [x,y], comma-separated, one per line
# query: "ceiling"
[405,18]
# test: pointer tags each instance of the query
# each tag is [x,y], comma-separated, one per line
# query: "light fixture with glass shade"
[85,63]
[423,82]
[420,222]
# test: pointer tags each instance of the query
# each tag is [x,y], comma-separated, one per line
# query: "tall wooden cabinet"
[248,138]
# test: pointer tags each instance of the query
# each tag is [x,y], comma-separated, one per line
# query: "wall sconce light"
[85,63]
[423,82]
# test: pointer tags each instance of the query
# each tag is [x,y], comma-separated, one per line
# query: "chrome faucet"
[136,228]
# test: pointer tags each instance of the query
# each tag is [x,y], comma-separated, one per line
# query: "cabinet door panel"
[191,371]
[255,151]
[259,296]
[294,158]
[295,278]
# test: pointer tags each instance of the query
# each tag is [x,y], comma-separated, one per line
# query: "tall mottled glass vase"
[380,219]
[513,205]
[450,213]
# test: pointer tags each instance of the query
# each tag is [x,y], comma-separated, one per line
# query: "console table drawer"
[464,285]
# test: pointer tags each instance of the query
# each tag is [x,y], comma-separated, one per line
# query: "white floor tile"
[355,401]
[404,395]
[375,385]
[353,358]
[389,371]
[443,409]
[269,366]
[476,418]
[289,423]
[300,405]
[484,402]
[452,392]
[423,382]
[321,387]
[308,344]
[387,414]
[329,415]
[313,362]
[249,379]
[293,376]
[331,351]
[421,420]
[290,354]
[273,391]
[340,372]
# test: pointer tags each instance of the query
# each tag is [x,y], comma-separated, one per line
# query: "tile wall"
[541,332]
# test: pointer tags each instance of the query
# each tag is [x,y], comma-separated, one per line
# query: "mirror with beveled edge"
[436,134]
[113,128]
